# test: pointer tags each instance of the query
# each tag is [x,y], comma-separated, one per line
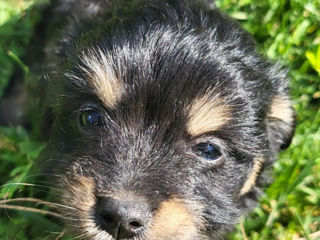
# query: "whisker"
[42,174]
[23,184]
[29,209]
[29,185]
[81,235]
[35,200]
[61,235]
[46,162]
[45,238]
[35,210]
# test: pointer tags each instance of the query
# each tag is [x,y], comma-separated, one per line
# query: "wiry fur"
[166,75]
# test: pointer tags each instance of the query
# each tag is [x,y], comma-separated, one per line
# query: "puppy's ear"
[280,122]
[211,4]
[79,9]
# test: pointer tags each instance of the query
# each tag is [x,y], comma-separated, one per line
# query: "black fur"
[167,53]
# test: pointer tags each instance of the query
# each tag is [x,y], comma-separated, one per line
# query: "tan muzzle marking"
[173,221]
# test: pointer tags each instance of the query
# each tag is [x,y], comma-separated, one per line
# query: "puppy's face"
[161,125]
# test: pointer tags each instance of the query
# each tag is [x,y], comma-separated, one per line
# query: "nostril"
[107,218]
[135,225]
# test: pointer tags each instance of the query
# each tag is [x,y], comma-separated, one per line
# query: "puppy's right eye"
[90,119]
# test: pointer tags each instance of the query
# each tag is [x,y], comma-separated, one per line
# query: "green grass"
[287,31]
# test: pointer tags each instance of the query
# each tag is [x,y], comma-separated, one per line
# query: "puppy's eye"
[207,151]
[90,119]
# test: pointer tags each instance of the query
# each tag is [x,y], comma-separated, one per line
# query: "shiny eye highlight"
[90,118]
[207,151]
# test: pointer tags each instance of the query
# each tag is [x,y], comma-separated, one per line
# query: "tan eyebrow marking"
[101,75]
[207,114]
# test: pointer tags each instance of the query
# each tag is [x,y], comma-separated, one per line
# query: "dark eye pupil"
[91,118]
[208,151]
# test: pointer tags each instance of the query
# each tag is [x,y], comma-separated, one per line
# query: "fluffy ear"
[79,8]
[280,122]
[211,4]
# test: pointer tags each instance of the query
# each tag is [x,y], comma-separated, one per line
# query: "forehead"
[161,73]
[204,102]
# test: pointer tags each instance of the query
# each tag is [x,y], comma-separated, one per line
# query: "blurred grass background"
[287,31]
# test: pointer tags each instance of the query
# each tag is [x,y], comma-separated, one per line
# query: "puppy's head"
[163,119]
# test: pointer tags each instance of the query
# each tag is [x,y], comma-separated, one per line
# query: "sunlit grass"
[289,32]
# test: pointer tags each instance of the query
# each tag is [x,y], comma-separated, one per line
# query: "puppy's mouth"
[126,215]
[131,218]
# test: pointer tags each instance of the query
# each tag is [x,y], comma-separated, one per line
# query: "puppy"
[160,118]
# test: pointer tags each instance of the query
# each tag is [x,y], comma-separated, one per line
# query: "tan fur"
[281,109]
[207,115]
[101,75]
[251,180]
[173,221]
[79,193]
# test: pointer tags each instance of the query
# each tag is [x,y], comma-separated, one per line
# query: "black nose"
[123,218]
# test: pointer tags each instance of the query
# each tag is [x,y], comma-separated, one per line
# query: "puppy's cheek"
[174,221]
[79,193]
[79,200]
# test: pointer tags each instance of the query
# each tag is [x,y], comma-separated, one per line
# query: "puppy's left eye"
[90,119]
[207,151]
